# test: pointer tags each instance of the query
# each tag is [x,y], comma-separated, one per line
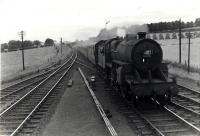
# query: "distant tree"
[191,35]
[155,37]
[167,36]
[27,44]
[174,36]
[198,34]
[49,42]
[37,43]
[195,34]
[161,37]
[197,22]
[14,45]
[148,36]
[4,46]
[163,26]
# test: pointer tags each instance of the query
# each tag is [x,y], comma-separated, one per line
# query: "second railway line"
[14,92]
[17,118]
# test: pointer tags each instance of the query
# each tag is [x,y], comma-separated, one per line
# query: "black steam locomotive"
[134,65]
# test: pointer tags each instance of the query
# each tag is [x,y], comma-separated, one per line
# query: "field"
[37,58]
[171,51]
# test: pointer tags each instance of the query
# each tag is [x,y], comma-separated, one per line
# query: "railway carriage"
[134,65]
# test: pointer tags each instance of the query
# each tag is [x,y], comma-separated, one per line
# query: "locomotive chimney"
[141,35]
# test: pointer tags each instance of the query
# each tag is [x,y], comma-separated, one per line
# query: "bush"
[155,37]
[148,36]
[167,36]
[174,36]
[161,37]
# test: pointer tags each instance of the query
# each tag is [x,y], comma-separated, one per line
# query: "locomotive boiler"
[134,65]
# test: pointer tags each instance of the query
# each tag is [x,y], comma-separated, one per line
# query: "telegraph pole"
[61,44]
[21,34]
[180,41]
[189,36]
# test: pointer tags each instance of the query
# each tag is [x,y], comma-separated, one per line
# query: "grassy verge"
[183,66]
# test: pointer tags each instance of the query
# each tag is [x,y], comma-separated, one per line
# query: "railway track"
[150,119]
[187,105]
[12,93]
[180,117]
[188,97]
[99,107]
[24,115]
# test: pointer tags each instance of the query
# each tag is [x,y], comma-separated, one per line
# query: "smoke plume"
[132,29]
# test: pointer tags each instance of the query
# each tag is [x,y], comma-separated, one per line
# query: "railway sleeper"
[181,133]
[26,131]
[5,132]
[15,118]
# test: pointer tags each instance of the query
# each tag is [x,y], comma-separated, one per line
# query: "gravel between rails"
[75,114]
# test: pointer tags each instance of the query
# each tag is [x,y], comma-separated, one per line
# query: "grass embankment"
[183,66]
[181,71]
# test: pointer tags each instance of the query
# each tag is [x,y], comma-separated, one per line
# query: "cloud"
[39,17]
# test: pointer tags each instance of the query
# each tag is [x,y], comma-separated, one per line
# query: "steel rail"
[183,120]
[196,129]
[24,96]
[151,125]
[99,107]
[37,106]
[189,89]
[3,97]
[187,109]
[187,98]
[88,67]
[31,77]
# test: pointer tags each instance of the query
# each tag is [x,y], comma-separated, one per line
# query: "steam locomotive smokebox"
[145,54]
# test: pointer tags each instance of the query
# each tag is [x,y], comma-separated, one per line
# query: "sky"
[80,19]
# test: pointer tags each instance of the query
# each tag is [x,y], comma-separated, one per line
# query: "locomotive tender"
[134,65]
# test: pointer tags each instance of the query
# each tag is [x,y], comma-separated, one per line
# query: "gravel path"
[76,114]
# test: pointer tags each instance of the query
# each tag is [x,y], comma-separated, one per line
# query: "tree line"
[167,26]
[14,45]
